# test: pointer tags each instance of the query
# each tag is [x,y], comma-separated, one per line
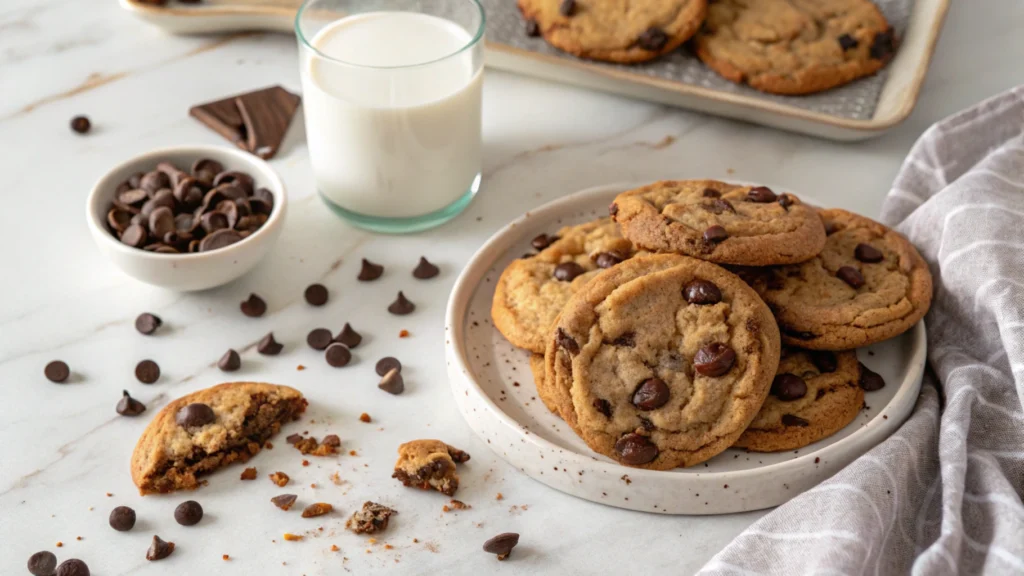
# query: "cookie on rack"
[720,222]
[814,395]
[662,361]
[615,30]
[532,290]
[868,284]
[209,429]
[795,47]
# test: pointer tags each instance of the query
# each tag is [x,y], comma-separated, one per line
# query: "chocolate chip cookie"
[532,290]
[429,465]
[662,361]
[795,46]
[720,222]
[615,30]
[206,430]
[814,395]
[867,285]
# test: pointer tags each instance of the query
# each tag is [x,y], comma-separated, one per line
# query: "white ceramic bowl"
[196,271]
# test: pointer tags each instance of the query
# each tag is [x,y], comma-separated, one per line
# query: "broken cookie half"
[206,430]
[429,465]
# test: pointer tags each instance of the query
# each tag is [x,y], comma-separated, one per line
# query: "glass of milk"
[391,95]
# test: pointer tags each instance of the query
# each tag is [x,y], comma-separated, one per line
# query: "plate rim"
[869,435]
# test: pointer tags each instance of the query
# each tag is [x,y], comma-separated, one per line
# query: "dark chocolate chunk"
[72,567]
[401,306]
[653,39]
[634,450]
[608,259]
[567,8]
[425,270]
[81,124]
[714,359]
[188,513]
[785,200]
[57,371]
[715,234]
[788,387]
[846,42]
[319,338]
[337,355]
[870,380]
[883,45]
[284,501]
[711,193]
[42,563]
[824,361]
[531,28]
[254,307]
[392,382]
[628,340]
[702,292]
[268,346]
[603,406]
[159,549]
[147,372]
[867,253]
[122,519]
[542,241]
[194,415]
[348,336]
[502,544]
[316,294]
[566,342]
[566,271]
[719,206]
[230,361]
[851,276]
[651,394]
[370,271]
[128,406]
[613,209]
[386,364]
[761,195]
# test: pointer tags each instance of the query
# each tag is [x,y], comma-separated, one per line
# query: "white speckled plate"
[494,390]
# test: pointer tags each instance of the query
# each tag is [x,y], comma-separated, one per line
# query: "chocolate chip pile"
[170,211]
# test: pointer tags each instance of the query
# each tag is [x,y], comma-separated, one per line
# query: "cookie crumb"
[334,548]
[305,462]
[336,479]
[500,496]
[225,557]
[317,509]
[353,453]
[269,445]
[292,538]
[458,505]
[78,537]
[313,485]
[403,334]
[60,544]
[248,474]
[300,367]
[625,478]
[364,417]
[389,547]
[279,478]
[109,494]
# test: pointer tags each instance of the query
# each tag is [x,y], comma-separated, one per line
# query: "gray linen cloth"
[943,494]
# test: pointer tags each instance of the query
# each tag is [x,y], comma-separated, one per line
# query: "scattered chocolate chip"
[761,195]
[72,567]
[785,200]
[869,379]
[337,355]
[791,420]
[188,513]
[316,294]
[652,39]
[542,241]
[370,271]
[42,563]
[348,336]
[824,361]
[883,45]
[81,124]
[788,387]
[714,360]
[331,440]
[567,7]
[293,438]
[715,234]
[846,42]
[628,340]
[531,28]
[401,306]
[147,371]
[386,364]
[603,406]
[392,382]
[711,193]
[284,501]
[634,450]
[425,270]
[230,361]
[147,323]
[317,509]
[195,415]
[566,271]
[57,371]
[268,346]
[702,292]
[159,549]
[851,276]
[254,307]
[122,519]
[608,259]
[319,338]
[566,342]
[867,253]
[128,406]
[613,209]
[502,544]
[651,394]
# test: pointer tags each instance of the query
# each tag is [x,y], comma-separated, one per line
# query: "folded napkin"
[943,494]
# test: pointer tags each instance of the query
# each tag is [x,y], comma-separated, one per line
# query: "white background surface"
[63,447]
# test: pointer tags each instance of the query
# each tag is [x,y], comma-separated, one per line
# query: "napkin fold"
[943,494]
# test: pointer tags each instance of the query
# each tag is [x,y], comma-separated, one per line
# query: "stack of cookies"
[703,315]
[777,46]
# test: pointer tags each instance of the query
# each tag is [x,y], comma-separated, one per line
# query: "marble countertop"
[64,452]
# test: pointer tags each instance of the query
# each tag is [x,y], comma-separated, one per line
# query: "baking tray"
[879,103]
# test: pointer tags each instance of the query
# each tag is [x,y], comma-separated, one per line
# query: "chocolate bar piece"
[255,121]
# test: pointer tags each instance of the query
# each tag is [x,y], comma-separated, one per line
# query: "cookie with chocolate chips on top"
[795,46]
[868,284]
[615,30]
[662,361]
[813,396]
[720,222]
[532,290]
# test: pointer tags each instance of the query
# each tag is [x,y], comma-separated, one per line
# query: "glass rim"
[472,41]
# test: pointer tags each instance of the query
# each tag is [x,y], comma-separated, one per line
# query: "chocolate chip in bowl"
[187,218]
